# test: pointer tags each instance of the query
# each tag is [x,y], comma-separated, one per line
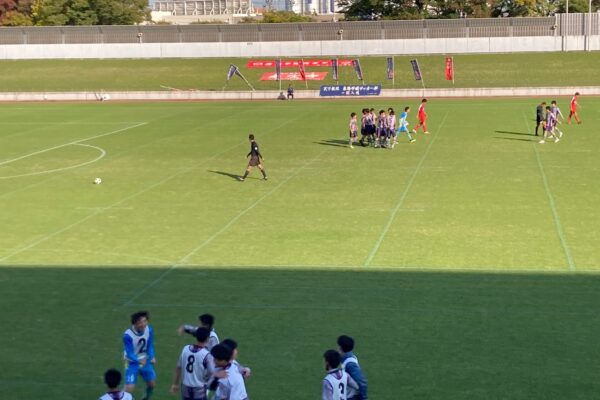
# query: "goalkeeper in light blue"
[404,124]
[139,354]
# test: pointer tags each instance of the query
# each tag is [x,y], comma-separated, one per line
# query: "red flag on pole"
[449,69]
[302,71]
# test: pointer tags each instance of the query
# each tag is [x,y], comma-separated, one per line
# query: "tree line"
[128,12]
[73,12]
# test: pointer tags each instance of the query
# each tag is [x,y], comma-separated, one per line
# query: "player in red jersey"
[573,109]
[422,115]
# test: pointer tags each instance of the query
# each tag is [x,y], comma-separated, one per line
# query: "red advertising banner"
[296,63]
[294,76]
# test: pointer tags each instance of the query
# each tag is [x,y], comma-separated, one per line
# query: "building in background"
[185,12]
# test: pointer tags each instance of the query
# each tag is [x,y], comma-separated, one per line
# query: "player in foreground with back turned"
[139,353]
[194,368]
[256,159]
[336,382]
[112,378]
[351,367]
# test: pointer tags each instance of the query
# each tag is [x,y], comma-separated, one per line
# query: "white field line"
[102,154]
[184,259]
[403,196]
[555,216]
[131,196]
[70,143]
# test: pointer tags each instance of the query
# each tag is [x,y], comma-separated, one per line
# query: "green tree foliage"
[120,12]
[284,16]
[73,12]
[419,9]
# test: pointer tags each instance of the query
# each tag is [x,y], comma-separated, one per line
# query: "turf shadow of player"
[233,176]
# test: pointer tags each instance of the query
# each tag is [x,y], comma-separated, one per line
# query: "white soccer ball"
[97,181]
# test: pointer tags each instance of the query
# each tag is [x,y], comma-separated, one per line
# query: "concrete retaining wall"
[298,49]
[300,94]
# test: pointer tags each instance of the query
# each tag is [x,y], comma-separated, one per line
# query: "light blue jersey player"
[404,124]
[139,353]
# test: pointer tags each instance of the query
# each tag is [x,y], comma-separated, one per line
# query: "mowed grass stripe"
[559,228]
[144,189]
[407,188]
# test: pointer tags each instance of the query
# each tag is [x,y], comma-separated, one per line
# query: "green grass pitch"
[474,70]
[465,264]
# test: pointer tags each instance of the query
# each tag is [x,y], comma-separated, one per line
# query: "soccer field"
[465,264]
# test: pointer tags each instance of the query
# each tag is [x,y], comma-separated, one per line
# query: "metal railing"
[575,24]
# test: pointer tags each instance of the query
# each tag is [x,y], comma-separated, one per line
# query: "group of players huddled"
[549,120]
[381,130]
[208,369]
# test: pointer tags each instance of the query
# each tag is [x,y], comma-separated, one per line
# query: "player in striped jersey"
[353,129]
[352,368]
[206,321]
[337,382]
[391,131]
[381,129]
[139,353]
[549,127]
[112,378]
[556,111]
[194,369]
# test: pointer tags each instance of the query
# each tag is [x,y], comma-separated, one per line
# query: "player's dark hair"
[553,102]
[251,137]
[332,358]
[346,343]
[232,344]
[135,317]
[576,93]
[112,378]
[352,115]
[406,108]
[221,352]
[208,319]
[392,112]
[424,101]
[202,334]
[381,111]
[390,109]
[547,107]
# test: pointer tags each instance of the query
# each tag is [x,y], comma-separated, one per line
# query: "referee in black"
[539,117]
[256,159]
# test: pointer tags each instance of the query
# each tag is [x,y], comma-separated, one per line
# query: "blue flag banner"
[278,69]
[350,90]
[232,70]
[357,69]
[390,68]
[416,70]
[334,69]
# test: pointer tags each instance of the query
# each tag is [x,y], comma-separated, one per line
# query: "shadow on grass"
[509,138]
[475,325]
[232,176]
[333,142]
[516,133]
